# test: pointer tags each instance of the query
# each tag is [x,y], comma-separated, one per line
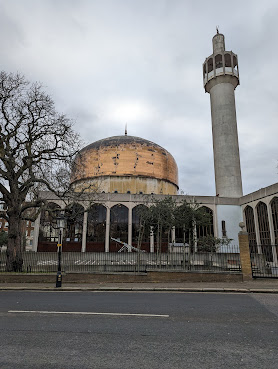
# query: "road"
[68,330]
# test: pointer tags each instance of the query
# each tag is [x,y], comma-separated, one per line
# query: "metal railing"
[264,261]
[92,262]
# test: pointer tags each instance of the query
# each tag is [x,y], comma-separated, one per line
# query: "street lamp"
[60,225]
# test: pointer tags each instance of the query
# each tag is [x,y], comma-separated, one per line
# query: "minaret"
[221,77]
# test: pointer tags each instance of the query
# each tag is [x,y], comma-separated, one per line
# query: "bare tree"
[37,149]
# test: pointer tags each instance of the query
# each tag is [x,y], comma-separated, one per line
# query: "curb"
[143,289]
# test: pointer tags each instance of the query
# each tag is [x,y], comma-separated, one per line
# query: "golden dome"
[125,158]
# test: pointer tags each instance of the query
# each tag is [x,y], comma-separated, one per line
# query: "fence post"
[244,253]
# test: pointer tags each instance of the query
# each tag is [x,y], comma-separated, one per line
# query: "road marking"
[87,313]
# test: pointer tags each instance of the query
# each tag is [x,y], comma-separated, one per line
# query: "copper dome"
[126,156]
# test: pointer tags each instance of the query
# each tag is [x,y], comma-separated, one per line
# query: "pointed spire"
[126,129]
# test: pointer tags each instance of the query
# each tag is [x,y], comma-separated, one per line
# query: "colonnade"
[261,218]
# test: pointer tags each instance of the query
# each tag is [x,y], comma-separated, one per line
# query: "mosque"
[129,171]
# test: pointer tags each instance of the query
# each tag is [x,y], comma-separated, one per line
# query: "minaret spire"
[126,129]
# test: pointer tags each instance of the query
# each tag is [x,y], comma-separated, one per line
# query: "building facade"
[119,174]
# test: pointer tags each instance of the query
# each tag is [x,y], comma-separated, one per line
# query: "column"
[36,233]
[151,240]
[107,230]
[84,231]
[129,237]
[258,240]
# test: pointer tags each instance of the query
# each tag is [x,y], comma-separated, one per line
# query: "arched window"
[96,228]
[118,225]
[263,223]
[264,230]
[74,215]
[206,230]
[48,224]
[210,65]
[251,229]
[140,228]
[235,63]
[204,69]
[218,61]
[274,210]
[228,60]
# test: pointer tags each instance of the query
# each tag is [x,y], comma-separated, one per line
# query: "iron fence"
[264,261]
[141,262]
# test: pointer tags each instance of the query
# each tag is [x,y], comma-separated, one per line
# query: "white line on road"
[87,313]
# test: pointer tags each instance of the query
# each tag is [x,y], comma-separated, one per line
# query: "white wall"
[232,214]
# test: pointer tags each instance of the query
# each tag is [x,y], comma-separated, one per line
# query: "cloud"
[107,63]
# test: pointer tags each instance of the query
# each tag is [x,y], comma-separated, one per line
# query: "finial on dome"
[217,29]
[126,129]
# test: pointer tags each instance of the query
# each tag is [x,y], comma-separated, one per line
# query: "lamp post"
[60,225]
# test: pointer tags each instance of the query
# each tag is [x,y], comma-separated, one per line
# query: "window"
[250,226]
[224,232]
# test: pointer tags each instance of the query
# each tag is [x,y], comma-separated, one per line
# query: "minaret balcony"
[224,63]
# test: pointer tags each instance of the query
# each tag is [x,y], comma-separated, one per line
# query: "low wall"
[149,277]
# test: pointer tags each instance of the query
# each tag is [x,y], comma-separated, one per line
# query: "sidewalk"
[254,286]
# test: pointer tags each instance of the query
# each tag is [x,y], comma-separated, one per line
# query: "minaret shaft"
[220,80]
[225,141]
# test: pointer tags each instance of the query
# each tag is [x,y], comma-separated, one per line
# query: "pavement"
[253,286]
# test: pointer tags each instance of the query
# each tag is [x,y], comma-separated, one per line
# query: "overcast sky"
[111,62]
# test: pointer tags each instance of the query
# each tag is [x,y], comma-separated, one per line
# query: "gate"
[264,261]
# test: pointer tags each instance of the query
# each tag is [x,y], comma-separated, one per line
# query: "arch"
[210,65]
[140,232]
[235,64]
[72,237]
[206,230]
[218,61]
[274,211]
[204,70]
[264,230]
[96,227]
[48,231]
[228,60]
[251,228]
[118,225]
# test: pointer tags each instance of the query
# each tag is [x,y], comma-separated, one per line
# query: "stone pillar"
[129,237]
[84,231]
[107,230]
[36,233]
[151,240]
[244,253]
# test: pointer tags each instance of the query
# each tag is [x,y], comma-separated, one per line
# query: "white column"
[151,240]
[36,233]
[84,231]
[107,230]
[195,236]
[173,234]
[129,238]
[173,237]
[258,240]
[272,236]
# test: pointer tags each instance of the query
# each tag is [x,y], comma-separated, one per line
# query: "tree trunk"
[14,249]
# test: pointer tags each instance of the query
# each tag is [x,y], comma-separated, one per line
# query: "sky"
[107,63]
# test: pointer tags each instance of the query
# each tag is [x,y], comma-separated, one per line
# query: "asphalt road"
[171,330]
